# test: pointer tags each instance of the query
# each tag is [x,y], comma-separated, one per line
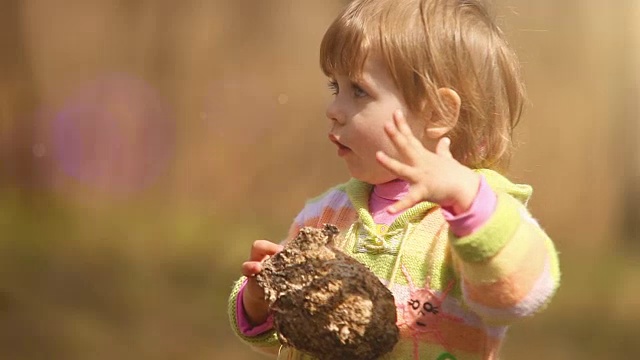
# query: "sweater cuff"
[493,235]
[244,325]
[481,209]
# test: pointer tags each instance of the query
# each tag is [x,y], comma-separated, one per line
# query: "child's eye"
[358,92]
[333,86]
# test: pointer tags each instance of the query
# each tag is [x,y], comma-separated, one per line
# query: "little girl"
[426,95]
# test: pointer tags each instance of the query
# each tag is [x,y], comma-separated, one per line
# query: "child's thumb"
[443,147]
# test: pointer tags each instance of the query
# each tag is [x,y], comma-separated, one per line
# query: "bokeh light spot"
[283,99]
[114,134]
[39,150]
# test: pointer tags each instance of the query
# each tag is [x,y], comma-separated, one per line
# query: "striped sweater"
[455,296]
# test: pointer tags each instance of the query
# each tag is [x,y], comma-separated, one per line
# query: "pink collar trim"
[392,190]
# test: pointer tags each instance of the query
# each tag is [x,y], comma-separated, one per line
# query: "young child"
[426,95]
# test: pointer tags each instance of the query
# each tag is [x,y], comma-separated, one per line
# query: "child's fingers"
[401,123]
[399,138]
[394,166]
[251,268]
[403,127]
[261,249]
[405,203]
[442,148]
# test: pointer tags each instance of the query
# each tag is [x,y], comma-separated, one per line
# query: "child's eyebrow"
[358,79]
[365,83]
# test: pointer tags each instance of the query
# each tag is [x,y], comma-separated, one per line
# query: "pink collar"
[392,190]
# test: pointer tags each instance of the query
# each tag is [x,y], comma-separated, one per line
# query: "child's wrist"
[463,198]
[257,310]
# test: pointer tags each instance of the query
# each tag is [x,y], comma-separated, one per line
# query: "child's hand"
[435,177]
[255,305]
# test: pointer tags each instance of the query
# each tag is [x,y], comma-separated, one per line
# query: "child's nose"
[334,113]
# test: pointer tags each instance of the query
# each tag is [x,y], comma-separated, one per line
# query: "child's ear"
[439,126]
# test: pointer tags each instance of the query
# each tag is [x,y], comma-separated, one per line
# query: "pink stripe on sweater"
[542,290]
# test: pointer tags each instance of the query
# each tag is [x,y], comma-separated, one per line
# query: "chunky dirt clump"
[325,303]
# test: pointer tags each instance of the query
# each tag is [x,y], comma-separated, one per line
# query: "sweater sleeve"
[508,266]
[266,342]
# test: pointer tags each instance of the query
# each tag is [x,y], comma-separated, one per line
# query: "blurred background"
[145,144]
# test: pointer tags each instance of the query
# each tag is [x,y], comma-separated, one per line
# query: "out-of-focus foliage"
[145,144]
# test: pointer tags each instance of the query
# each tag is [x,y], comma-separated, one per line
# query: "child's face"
[358,113]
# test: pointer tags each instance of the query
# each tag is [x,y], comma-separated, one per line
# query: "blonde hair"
[431,44]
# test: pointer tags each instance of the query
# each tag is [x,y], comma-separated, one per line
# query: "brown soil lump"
[325,303]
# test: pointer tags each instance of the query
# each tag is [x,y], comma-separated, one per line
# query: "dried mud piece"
[325,303]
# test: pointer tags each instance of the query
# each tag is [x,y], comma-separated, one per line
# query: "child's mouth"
[342,149]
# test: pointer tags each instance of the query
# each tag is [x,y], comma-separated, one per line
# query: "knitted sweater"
[455,296]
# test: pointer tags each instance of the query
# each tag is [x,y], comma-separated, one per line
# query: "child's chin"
[371,178]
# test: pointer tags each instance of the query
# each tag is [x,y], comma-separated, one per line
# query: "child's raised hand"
[253,297]
[433,176]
